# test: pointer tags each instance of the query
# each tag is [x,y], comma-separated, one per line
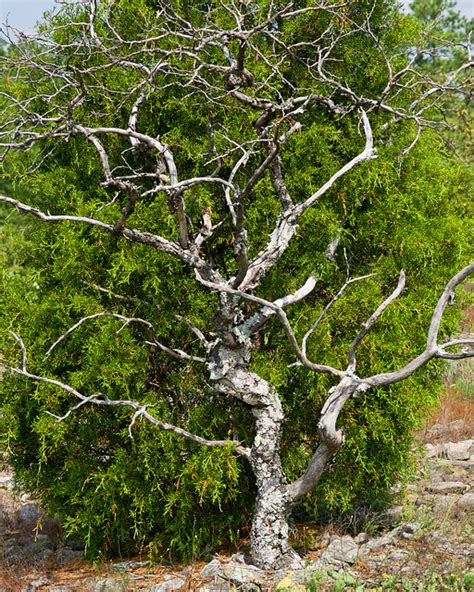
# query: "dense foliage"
[156,490]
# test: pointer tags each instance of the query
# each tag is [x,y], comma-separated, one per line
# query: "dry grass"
[455,406]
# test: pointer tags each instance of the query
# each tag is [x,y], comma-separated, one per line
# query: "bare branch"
[370,322]
[175,353]
[139,409]
[133,235]
[281,315]
[432,349]
[333,300]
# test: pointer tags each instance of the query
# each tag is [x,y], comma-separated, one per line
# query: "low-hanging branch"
[103,401]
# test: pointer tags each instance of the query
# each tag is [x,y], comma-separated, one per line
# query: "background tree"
[222,219]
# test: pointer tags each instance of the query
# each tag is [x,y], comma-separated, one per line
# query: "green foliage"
[429,582]
[158,491]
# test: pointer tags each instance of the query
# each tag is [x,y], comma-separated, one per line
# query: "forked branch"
[103,401]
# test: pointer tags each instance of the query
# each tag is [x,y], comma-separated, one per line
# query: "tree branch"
[432,349]
[370,322]
[140,410]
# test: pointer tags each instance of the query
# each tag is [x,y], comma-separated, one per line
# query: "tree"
[192,131]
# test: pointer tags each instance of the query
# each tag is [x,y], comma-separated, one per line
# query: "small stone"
[168,585]
[378,543]
[466,502]
[408,528]
[448,487]
[459,450]
[343,549]
[211,570]
[399,555]
[361,538]
[433,451]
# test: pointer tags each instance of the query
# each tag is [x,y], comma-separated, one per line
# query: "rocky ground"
[431,532]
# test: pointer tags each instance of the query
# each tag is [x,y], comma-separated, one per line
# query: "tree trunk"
[269,535]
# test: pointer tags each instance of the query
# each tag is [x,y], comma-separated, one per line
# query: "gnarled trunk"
[269,535]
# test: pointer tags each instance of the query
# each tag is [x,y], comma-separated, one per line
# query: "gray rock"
[448,487]
[168,585]
[467,465]
[242,574]
[29,512]
[211,570]
[408,528]
[466,502]
[362,538]
[239,574]
[341,550]
[459,450]
[111,585]
[378,543]
[434,450]
[6,480]
[37,584]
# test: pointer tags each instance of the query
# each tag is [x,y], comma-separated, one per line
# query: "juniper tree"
[237,182]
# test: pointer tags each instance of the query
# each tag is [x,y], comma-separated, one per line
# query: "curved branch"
[370,322]
[133,235]
[277,309]
[175,353]
[140,410]
[432,350]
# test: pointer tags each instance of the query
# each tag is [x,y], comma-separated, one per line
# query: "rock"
[459,450]
[467,465]
[37,584]
[361,538]
[111,585]
[211,570]
[378,543]
[408,528]
[341,550]
[433,451]
[29,512]
[466,502]
[6,480]
[168,585]
[243,575]
[448,487]
[399,555]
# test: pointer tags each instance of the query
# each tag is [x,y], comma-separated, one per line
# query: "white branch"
[370,322]
[367,154]
[175,353]
[140,410]
[432,349]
